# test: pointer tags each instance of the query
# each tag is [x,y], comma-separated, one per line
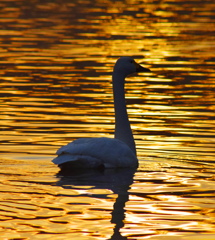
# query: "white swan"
[105,152]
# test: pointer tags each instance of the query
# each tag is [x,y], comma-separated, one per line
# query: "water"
[56,62]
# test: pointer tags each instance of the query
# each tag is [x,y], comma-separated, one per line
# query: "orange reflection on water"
[56,62]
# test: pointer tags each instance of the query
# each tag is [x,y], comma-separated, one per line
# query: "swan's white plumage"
[95,152]
[106,152]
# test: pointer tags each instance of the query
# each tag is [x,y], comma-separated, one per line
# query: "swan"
[103,152]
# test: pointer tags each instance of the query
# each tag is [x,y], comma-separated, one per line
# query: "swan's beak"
[139,68]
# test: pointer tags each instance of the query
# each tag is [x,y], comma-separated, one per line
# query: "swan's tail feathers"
[77,161]
[64,158]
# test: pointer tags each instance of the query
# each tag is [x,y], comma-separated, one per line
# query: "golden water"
[56,59]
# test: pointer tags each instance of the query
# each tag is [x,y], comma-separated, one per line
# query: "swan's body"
[106,152]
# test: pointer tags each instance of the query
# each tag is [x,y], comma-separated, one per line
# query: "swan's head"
[127,65]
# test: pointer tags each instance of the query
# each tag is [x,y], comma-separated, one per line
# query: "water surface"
[55,67]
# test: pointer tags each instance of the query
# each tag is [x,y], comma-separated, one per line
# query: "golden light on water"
[56,60]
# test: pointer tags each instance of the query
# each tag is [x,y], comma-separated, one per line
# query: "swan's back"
[95,153]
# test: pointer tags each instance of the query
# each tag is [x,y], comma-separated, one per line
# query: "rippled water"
[56,59]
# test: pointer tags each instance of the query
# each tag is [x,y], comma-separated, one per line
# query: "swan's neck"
[123,130]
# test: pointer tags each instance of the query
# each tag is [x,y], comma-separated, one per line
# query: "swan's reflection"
[118,213]
[117,180]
